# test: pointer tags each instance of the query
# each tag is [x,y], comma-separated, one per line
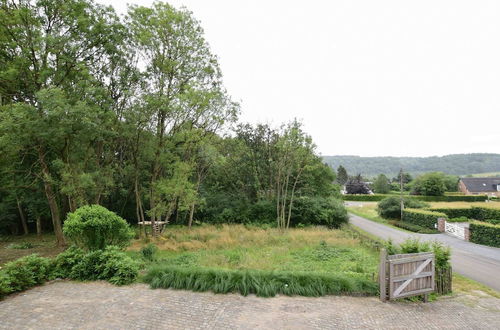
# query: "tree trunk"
[51,198]
[22,216]
[38,225]
[191,214]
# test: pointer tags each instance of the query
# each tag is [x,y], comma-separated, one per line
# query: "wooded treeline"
[460,164]
[131,113]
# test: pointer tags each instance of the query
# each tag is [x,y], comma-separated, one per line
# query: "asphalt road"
[478,262]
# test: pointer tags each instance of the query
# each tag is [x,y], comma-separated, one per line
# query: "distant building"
[480,186]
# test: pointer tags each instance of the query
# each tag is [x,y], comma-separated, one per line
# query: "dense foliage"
[24,273]
[423,218]
[381,185]
[430,184]
[131,113]
[485,233]
[93,227]
[460,164]
[390,207]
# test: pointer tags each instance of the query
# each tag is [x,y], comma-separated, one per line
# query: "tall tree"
[381,184]
[342,175]
[52,56]
[183,86]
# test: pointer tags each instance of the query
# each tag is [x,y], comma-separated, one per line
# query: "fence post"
[382,275]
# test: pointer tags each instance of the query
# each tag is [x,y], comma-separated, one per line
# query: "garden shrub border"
[472,212]
[485,233]
[445,198]
[423,218]
[259,282]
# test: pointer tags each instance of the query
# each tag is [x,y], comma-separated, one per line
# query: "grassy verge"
[462,284]
[369,211]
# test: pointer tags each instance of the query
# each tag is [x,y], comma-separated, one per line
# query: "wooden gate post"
[382,277]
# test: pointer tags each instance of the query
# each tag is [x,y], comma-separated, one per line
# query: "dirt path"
[99,305]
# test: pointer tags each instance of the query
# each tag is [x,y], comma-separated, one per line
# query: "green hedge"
[412,227]
[423,218]
[452,198]
[446,198]
[474,212]
[365,198]
[485,233]
[259,282]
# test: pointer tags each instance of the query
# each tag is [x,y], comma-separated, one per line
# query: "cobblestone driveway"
[98,305]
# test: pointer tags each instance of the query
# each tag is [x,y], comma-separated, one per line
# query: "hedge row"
[485,233]
[423,218]
[379,197]
[412,227]
[474,212]
[259,282]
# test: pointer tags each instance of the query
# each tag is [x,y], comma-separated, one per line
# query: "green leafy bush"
[493,221]
[94,227]
[24,273]
[485,233]
[323,211]
[258,282]
[109,264]
[149,252]
[441,252]
[423,218]
[64,262]
[390,207]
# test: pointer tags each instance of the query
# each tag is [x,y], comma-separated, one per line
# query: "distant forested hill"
[460,164]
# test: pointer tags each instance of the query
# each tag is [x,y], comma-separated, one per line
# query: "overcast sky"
[369,78]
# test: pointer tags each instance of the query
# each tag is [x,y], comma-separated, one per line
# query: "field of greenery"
[312,249]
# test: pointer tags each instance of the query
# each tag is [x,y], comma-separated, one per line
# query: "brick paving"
[99,305]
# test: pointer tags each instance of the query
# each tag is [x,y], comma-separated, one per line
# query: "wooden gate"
[406,275]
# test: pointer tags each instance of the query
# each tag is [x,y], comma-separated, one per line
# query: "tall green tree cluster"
[128,113]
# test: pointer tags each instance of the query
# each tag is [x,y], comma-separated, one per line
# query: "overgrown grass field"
[236,258]
[14,247]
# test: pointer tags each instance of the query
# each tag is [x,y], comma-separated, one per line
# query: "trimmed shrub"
[493,221]
[445,198]
[423,218]
[364,198]
[328,212]
[24,273]
[474,212]
[258,282]
[94,227]
[413,228]
[390,207]
[459,219]
[485,233]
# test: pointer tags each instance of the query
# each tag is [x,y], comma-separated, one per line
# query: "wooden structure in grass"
[156,227]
